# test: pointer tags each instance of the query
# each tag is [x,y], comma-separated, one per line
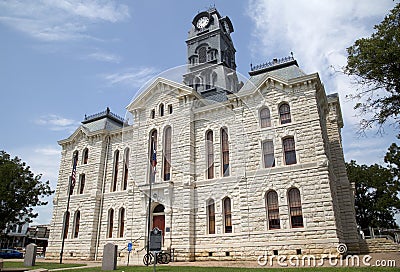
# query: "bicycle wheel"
[148,259]
[167,257]
[161,258]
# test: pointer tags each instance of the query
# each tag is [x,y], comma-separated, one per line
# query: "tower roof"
[103,120]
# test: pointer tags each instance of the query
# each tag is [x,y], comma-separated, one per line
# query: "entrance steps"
[378,245]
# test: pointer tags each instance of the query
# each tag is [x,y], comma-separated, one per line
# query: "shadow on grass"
[43,265]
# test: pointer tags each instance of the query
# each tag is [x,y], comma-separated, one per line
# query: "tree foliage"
[20,191]
[376,195]
[375,63]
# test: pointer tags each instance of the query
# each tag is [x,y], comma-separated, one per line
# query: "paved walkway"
[388,259]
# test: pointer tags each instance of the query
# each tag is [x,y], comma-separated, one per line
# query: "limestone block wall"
[327,209]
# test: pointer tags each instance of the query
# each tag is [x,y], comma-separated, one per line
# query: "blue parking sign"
[130,246]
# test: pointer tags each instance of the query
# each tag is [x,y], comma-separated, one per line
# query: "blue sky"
[62,59]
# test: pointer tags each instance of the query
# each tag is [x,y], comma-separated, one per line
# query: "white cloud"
[59,20]
[134,77]
[106,57]
[57,123]
[95,10]
[318,32]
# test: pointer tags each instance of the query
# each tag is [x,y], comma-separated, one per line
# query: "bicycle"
[163,257]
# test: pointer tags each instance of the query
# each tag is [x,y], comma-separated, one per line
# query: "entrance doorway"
[159,218]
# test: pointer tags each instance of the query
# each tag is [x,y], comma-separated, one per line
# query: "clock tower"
[211,56]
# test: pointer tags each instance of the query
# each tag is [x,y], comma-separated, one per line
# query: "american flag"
[154,158]
[73,177]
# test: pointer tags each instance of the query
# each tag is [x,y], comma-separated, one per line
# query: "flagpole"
[153,164]
[69,197]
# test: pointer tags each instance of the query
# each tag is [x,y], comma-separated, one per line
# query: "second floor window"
[268,154]
[85,156]
[152,155]
[115,171]
[225,152]
[210,154]
[82,183]
[167,154]
[289,150]
[126,170]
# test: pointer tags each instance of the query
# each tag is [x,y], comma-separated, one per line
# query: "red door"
[159,222]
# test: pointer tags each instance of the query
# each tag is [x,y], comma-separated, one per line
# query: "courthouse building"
[242,167]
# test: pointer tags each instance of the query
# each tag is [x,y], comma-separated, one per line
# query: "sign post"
[155,244]
[129,251]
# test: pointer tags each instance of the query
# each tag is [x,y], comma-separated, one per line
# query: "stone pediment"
[79,133]
[254,84]
[159,87]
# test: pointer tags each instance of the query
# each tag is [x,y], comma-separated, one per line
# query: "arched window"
[85,156]
[227,215]
[296,215]
[82,183]
[211,216]
[214,78]
[170,109]
[210,154]
[225,152]
[72,181]
[167,154]
[265,118]
[76,224]
[161,109]
[66,224]
[272,210]
[75,158]
[152,114]
[159,209]
[126,169]
[110,223]
[115,171]
[152,154]
[197,83]
[202,54]
[268,154]
[121,222]
[289,150]
[284,113]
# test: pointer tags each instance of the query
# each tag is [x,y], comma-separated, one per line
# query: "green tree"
[20,191]
[375,64]
[392,158]
[376,195]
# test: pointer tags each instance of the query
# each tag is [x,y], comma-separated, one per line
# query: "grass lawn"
[42,265]
[228,269]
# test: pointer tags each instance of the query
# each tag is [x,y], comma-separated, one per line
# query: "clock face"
[202,22]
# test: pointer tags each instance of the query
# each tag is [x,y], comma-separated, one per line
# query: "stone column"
[109,257]
[30,255]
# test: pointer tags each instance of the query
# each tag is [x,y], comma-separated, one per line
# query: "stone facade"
[319,174]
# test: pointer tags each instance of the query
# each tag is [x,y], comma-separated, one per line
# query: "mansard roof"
[102,121]
[105,120]
[284,70]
